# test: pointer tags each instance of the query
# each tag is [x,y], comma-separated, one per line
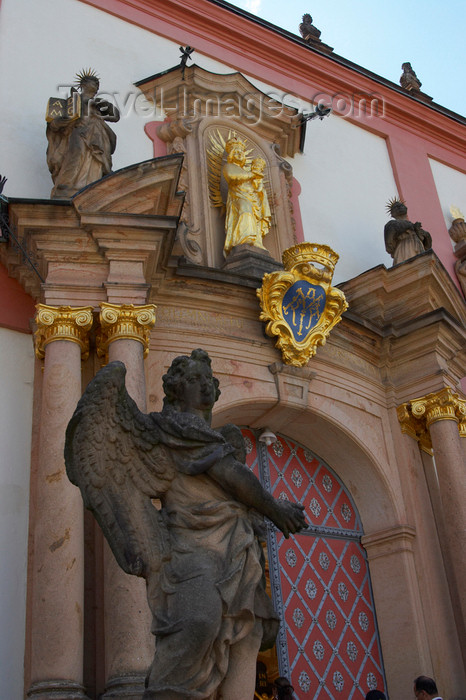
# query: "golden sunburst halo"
[86,74]
[392,202]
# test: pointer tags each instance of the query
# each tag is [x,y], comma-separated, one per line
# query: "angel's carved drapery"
[200,554]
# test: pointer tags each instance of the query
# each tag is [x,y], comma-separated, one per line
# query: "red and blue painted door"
[328,644]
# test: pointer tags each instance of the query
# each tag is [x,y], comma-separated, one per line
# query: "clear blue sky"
[380,36]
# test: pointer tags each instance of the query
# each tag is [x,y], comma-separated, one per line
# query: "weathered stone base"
[57,690]
[127,687]
[248,260]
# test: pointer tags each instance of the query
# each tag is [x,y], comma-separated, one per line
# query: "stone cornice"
[390,298]
[390,541]
[244,42]
[120,229]
[62,323]
[414,319]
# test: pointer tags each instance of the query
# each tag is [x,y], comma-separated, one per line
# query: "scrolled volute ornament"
[415,427]
[442,405]
[125,322]
[109,314]
[299,304]
[62,323]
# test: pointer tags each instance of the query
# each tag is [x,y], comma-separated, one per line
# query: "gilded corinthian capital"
[62,323]
[125,321]
[417,416]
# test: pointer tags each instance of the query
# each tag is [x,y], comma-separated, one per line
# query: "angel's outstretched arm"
[241,483]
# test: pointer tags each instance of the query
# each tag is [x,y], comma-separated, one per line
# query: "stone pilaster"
[129,644]
[58,572]
[393,573]
[442,415]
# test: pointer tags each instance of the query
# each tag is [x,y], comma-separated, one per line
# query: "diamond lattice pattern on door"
[326,602]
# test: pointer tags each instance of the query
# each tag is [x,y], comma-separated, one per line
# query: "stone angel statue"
[247,210]
[200,553]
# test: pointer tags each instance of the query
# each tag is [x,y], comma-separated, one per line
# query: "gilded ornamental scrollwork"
[62,323]
[125,321]
[417,416]
[443,405]
[299,304]
[414,427]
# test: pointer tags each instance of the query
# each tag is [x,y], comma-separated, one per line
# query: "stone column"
[129,644]
[442,414]
[58,571]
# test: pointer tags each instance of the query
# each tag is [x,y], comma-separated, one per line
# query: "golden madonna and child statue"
[247,210]
[200,553]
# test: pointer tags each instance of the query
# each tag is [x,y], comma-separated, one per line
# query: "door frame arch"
[357,452]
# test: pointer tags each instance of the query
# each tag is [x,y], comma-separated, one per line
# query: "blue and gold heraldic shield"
[299,304]
[302,308]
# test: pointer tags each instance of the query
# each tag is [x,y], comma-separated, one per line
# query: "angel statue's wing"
[113,454]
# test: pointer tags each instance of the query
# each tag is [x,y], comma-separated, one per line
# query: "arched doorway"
[328,644]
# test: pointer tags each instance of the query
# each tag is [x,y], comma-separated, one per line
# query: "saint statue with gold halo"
[80,143]
[247,210]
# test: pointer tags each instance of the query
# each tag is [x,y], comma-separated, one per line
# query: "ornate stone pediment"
[203,110]
[148,188]
[110,242]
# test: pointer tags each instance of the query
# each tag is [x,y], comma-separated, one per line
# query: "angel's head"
[189,384]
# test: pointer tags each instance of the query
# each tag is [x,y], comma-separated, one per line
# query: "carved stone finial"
[125,321]
[62,323]
[457,229]
[417,416]
[309,32]
[404,239]
[409,80]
